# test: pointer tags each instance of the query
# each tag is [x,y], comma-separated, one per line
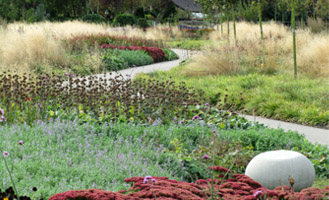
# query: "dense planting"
[70,137]
[27,98]
[156,53]
[93,155]
[303,101]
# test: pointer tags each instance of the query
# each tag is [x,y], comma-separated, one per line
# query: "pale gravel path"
[314,135]
[163,66]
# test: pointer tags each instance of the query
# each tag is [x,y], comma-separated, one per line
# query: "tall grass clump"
[316,25]
[313,56]
[39,47]
[246,55]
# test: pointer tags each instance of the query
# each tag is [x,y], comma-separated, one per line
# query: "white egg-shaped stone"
[274,168]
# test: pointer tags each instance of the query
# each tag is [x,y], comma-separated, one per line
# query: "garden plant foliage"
[167,135]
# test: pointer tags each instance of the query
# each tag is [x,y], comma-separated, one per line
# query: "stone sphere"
[274,168]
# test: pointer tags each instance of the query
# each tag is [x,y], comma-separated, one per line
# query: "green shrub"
[143,23]
[124,19]
[170,54]
[113,61]
[60,19]
[93,18]
[120,59]
[138,58]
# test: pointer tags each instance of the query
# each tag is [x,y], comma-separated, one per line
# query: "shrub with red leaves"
[239,186]
[157,54]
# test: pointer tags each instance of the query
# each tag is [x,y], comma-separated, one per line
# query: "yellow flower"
[5,198]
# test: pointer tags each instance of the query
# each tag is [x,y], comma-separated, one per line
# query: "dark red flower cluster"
[220,169]
[157,54]
[239,186]
[92,194]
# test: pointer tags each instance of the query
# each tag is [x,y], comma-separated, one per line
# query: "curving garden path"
[314,135]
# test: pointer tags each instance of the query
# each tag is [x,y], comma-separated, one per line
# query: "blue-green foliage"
[170,54]
[121,59]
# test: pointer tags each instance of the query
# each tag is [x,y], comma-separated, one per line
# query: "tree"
[322,9]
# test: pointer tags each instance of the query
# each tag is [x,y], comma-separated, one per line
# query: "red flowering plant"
[239,186]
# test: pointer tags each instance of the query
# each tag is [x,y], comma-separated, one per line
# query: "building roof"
[188,5]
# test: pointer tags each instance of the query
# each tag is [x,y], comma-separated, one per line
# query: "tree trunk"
[294,36]
[261,30]
[234,25]
[23,10]
[275,12]
[228,27]
[282,18]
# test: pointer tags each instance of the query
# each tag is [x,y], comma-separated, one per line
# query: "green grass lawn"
[303,101]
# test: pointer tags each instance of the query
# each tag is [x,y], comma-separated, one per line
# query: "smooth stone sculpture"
[275,168]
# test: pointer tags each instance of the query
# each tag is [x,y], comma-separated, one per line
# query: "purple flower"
[207,104]
[154,180]
[257,193]
[181,121]
[5,154]
[196,117]
[213,131]
[20,142]
[205,157]
[2,118]
[147,178]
